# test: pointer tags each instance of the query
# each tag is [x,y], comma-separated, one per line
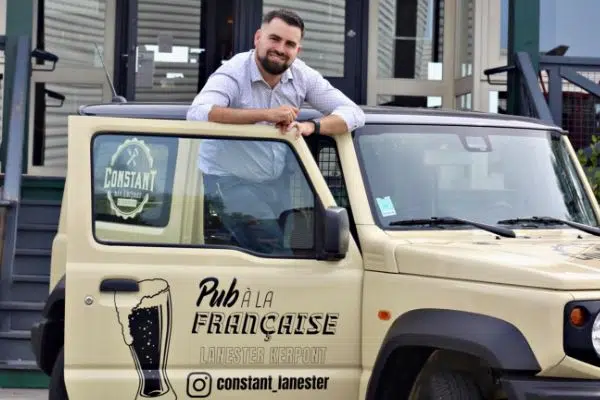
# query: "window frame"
[317,144]
[318,205]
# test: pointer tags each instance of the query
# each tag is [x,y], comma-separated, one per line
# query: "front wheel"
[448,385]
[57,389]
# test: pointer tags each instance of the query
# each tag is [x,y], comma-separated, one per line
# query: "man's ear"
[257,36]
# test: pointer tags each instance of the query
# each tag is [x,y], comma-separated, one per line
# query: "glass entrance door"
[175,45]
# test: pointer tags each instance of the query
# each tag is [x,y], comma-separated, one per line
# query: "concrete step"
[16,347]
[21,314]
[36,236]
[30,288]
[32,261]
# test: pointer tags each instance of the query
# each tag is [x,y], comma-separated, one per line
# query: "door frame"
[125,48]
[354,61]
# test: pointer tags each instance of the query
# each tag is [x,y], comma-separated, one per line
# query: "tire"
[57,389]
[449,385]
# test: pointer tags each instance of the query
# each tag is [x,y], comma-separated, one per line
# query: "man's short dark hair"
[287,16]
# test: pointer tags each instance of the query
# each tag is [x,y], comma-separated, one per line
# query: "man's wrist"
[316,126]
[262,114]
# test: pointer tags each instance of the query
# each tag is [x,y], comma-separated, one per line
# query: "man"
[266,85]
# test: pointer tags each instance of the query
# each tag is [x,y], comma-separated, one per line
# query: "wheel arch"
[49,337]
[415,335]
[55,304]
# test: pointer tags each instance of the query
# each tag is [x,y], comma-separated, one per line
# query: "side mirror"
[336,233]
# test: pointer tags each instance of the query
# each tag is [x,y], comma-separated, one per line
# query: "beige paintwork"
[523,281]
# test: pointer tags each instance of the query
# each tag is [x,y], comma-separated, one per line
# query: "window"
[179,191]
[504,26]
[133,178]
[330,168]
[485,174]
[328,160]
[410,39]
[465,38]
[409,101]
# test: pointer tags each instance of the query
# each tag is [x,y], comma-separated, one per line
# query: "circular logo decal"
[130,178]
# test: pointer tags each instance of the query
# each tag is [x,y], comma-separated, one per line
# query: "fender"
[47,335]
[493,340]
[56,297]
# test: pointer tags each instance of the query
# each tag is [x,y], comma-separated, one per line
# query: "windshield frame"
[414,128]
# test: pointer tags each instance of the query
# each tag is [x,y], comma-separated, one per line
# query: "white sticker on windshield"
[386,206]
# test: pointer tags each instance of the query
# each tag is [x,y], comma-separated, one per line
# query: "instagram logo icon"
[199,384]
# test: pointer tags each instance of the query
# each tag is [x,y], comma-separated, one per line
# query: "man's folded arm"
[341,114]
[213,103]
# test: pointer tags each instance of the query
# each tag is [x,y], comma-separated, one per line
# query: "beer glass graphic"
[145,323]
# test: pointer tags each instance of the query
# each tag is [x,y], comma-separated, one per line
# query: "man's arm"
[229,115]
[213,104]
[214,100]
[341,114]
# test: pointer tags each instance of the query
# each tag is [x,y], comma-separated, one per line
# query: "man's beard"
[272,67]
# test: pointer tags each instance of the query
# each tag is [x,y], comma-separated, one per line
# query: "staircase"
[37,225]
[29,221]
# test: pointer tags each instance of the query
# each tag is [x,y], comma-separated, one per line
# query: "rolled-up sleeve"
[324,97]
[219,90]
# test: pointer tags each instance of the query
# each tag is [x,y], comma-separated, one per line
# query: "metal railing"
[18,54]
[11,192]
[532,102]
[566,97]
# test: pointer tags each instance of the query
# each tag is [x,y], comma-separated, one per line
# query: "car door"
[169,298]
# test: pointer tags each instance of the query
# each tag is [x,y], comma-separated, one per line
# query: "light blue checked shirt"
[238,84]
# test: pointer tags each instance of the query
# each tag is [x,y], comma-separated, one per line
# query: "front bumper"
[523,388]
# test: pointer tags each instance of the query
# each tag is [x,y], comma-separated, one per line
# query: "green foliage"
[589,162]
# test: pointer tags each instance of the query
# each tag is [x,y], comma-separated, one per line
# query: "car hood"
[543,263]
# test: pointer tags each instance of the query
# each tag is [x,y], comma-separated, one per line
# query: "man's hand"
[300,128]
[282,115]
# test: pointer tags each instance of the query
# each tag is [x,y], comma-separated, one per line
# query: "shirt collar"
[255,72]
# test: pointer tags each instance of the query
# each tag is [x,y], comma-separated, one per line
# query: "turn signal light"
[578,316]
[384,315]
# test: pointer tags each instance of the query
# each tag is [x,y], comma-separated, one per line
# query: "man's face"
[277,45]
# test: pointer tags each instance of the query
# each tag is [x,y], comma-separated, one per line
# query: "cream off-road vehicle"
[428,255]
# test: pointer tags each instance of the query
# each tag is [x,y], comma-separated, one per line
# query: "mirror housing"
[336,234]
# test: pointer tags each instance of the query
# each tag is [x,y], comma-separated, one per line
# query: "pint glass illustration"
[146,328]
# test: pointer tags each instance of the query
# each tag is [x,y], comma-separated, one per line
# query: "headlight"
[596,334]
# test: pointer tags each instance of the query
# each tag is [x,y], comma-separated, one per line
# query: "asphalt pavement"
[23,394]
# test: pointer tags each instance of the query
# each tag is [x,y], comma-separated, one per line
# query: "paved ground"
[23,394]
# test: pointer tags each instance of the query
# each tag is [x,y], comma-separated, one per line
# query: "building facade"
[417,53]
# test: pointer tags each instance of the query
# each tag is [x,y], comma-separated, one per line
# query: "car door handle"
[119,285]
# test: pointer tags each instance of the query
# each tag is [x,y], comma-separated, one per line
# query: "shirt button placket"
[273,104]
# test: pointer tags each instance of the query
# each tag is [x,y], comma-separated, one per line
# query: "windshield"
[480,174]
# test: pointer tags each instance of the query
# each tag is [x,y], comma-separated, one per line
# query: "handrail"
[11,192]
[532,88]
[529,83]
